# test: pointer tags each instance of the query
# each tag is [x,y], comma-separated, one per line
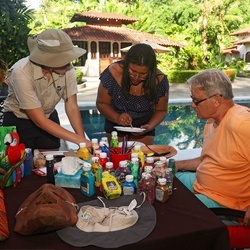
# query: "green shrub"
[79,75]
[180,76]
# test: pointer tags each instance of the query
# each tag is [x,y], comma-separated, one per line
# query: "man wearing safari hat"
[36,84]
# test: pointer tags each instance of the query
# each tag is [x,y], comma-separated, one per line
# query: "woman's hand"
[124,119]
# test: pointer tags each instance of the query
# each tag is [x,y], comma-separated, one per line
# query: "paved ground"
[178,92]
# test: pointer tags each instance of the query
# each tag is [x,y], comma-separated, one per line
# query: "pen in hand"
[125,110]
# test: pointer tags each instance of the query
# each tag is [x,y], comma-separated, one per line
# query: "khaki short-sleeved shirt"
[29,89]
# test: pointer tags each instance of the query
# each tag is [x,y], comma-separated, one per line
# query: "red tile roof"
[118,34]
[242,41]
[92,15]
[231,50]
[245,31]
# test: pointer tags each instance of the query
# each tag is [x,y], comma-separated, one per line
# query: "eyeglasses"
[200,101]
[141,76]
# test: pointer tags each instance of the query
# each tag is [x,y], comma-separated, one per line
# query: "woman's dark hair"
[141,54]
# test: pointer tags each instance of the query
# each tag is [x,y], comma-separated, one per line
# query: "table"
[182,223]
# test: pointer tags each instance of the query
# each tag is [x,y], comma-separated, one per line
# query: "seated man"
[221,175]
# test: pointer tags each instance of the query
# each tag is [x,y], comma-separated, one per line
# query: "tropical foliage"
[14,31]
[203,26]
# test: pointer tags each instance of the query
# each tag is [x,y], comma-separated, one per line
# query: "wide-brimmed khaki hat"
[53,48]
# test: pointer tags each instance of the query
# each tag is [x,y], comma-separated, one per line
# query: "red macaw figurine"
[15,152]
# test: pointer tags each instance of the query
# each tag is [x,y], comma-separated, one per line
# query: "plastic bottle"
[87,185]
[171,164]
[103,159]
[50,169]
[104,148]
[28,163]
[134,167]
[129,186]
[161,190]
[114,139]
[97,170]
[83,152]
[94,144]
[109,167]
[105,141]
[137,149]
[110,186]
[121,172]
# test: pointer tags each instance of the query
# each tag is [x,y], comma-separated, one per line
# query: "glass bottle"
[159,170]
[169,178]
[161,190]
[87,185]
[171,164]
[50,169]
[163,159]
[147,185]
[83,152]
[129,186]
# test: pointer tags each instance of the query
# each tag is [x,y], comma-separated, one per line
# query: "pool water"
[180,129]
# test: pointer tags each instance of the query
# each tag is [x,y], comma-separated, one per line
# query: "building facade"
[103,36]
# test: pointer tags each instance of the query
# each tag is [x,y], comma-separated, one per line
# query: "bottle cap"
[86,167]
[82,144]
[150,160]
[163,159]
[49,157]
[105,139]
[135,160]
[103,155]
[158,164]
[137,147]
[95,159]
[148,169]
[123,164]
[94,140]
[109,164]
[162,181]
[129,177]
[134,155]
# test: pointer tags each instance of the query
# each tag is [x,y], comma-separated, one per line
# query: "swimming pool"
[180,129]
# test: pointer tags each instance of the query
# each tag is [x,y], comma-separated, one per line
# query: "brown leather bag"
[47,209]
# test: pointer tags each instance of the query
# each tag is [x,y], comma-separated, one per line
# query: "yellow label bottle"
[83,152]
[110,186]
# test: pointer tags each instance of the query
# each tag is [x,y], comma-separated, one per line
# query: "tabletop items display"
[161,218]
[125,169]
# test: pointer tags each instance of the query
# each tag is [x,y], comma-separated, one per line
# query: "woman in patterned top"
[133,92]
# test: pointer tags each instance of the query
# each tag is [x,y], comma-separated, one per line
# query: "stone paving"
[178,92]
